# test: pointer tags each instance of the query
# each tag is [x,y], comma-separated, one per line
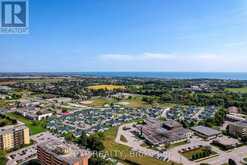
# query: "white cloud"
[143,56]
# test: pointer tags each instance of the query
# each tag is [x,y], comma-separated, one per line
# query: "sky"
[130,35]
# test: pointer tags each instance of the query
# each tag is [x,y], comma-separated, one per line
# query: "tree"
[83,139]
[97,160]
[94,143]
[69,136]
[193,157]
[219,116]
[3,158]
[231,162]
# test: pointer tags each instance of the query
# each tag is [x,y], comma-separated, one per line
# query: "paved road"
[172,154]
[135,143]
[165,112]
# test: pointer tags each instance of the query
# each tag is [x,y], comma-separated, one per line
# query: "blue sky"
[130,35]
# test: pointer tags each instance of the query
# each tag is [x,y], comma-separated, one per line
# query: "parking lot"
[25,154]
[173,153]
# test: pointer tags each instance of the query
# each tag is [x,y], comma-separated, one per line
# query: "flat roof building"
[238,129]
[157,133]
[14,136]
[206,132]
[172,124]
[56,152]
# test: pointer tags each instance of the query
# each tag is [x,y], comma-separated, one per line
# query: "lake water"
[170,75]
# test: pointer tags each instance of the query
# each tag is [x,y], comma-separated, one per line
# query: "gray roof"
[172,123]
[205,130]
[241,123]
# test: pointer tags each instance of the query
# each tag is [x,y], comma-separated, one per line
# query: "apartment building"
[14,136]
[56,152]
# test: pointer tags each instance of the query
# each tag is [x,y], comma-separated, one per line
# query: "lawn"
[106,87]
[3,159]
[237,90]
[35,127]
[100,102]
[4,121]
[124,153]
[3,103]
[177,144]
[198,153]
[136,102]
[123,139]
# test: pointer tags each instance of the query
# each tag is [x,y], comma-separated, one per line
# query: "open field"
[99,102]
[124,153]
[35,127]
[237,90]
[136,102]
[41,80]
[106,87]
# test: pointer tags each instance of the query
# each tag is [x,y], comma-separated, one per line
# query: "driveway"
[172,154]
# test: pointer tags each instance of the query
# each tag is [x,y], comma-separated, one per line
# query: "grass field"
[5,121]
[3,103]
[237,90]
[42,80]
[176,144]
[100,102]
[106,87]
[201,151]
[123,139]
[124,153]
[34,128]
[136,102]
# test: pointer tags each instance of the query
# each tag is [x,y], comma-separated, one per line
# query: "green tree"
[69,136]
[83,139]
[97,160]
[94,143]
[3,158]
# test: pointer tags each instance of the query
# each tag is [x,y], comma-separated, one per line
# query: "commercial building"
[206,132]
[235,117]
[57,152]
[33,114]
[226,143]
[238,129]
[158,134]
[14,136]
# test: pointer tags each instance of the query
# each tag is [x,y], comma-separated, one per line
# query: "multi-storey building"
[61,153]
[238,129]
[14,136]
